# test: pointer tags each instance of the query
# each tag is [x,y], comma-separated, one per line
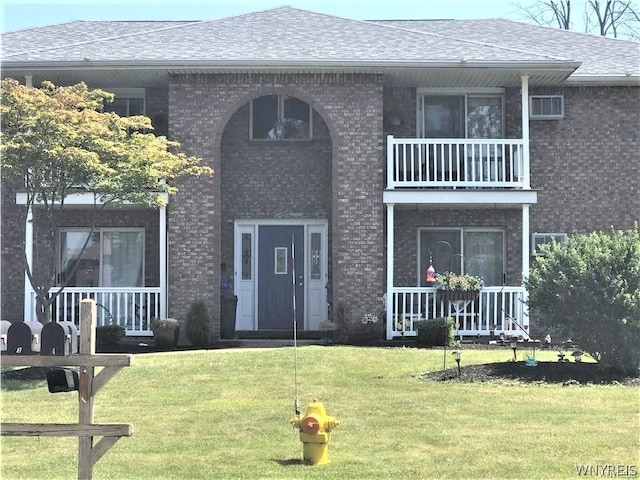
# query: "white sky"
[20,14]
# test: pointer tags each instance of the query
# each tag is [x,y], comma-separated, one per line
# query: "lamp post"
[456,356]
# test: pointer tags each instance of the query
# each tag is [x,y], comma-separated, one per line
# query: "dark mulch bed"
[574,373]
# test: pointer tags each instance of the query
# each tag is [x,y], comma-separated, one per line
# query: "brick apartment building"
[371,149]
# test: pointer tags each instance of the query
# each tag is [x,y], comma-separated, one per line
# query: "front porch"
[130,307]
[494,311]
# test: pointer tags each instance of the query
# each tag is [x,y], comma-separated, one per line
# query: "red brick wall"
[207,114]
[586,167]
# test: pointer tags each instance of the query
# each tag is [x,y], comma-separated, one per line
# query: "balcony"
[496,310]
[445,163]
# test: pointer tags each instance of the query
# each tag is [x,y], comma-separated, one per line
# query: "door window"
[280,260]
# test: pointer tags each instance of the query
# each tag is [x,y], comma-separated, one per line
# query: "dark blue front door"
[275,276]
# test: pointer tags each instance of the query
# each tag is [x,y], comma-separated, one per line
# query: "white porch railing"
[498,310]
[132,308]
[447,162]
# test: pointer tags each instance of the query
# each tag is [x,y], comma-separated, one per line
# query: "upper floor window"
[447,114]
[128,102]
[546,107]
[279,117]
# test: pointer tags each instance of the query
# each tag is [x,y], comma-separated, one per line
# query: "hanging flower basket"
[454,287]
[455,295]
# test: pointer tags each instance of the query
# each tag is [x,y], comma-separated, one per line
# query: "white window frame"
[546,116]
[458,92]
[538,239]
[280,114]
[101,231]
[460,256]
[128,94]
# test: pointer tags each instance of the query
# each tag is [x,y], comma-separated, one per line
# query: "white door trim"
[247,290]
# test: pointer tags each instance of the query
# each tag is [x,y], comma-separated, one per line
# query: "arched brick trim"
[201,106]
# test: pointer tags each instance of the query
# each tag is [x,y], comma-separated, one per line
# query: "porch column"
[525,264]
[390,250]
[28,252]
[163,261]
[525,133]
[28,245]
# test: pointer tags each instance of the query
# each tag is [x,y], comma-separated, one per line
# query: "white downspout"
[390,250]
[526,167]
[163,262]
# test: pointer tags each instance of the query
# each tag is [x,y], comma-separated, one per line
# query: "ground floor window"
[102,258]
[463,250]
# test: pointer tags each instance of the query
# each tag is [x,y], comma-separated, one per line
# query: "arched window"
[279,117]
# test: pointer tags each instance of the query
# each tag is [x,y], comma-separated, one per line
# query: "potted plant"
[453,286]
[165,332]
[369,331]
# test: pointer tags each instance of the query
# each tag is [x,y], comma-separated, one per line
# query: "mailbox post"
[88,385]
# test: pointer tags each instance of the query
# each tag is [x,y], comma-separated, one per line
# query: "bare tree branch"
[616,18]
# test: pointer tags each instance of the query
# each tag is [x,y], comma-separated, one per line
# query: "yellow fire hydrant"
[315,432]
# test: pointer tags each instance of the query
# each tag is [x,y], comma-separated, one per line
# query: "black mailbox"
[23,338]
[55,339]
[62,380]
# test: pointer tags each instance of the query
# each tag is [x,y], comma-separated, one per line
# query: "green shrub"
[435,332]
[109,335]
[198,324]
[589,290]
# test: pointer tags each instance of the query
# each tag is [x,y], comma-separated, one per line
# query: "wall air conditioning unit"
[538,239]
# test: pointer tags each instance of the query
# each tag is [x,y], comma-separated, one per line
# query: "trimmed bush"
[435,332]
[109,335]
[589,290]
[198,326]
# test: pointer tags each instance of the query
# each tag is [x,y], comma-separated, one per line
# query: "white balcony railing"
[132,308]
[497,310]
[457,163]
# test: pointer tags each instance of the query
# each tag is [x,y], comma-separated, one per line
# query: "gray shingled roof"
[599,55]
[292,35]
[283,33]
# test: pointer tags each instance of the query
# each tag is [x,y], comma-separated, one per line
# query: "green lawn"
[225,414]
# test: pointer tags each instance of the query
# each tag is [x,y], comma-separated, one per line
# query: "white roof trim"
[605,79]
[179,64]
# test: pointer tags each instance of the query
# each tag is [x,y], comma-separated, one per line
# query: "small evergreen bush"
[435,332]
[109,335]
[198,324]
